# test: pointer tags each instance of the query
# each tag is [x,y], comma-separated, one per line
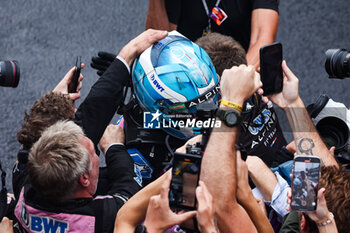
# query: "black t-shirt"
[191,18]
[261,134]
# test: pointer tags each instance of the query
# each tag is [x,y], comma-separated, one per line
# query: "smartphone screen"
[185,177]
[306,174]
[271,68]
[72,87]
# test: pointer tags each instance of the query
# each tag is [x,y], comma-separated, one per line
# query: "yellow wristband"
[232,105]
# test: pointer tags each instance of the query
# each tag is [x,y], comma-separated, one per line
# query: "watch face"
[231,118]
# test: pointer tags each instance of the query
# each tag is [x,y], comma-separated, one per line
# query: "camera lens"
[9,73]
[334,132]
[337,63]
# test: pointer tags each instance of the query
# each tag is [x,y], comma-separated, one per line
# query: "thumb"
[185,216]
[74,96]
[68,77]
[289,74]
[320,196]
[332,149]
[160,35]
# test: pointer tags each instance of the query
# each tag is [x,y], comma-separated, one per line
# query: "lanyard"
[207,11]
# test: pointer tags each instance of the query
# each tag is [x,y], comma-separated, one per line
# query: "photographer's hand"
[136,46]
[322,213]
[299,120]
[62,86]
[239,83]
[159,216]
[290,92]
[102,61]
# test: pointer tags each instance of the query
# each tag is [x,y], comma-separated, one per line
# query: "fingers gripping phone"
[73,85]
[271,73]
[185,178]
[306,175]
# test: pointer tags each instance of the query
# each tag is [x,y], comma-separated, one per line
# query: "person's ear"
[84,180]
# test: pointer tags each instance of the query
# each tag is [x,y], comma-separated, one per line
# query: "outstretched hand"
[159,216]
[140,44]
[62,86]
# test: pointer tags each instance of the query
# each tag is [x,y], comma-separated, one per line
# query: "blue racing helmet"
[174,75]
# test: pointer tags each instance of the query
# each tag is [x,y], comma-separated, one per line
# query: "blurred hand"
[140,44]
[239,83]
[102,61]
[191,141]
[205,209]
[6,225]
[159,216]
[112,134]
[243,188]
[290,92]
[322,213]
[62,86]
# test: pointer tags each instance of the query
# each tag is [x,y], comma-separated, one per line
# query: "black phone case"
[269,90]
[72,87]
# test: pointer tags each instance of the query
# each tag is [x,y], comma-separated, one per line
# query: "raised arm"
[134,211]
[308,141]
[218,169]
[247,200]
[263,31]
[105,96]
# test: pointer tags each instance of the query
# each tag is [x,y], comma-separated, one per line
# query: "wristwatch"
[230,117]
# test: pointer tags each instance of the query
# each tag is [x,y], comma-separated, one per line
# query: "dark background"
[45,36]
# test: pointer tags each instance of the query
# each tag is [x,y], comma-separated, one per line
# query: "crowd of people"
[57,182]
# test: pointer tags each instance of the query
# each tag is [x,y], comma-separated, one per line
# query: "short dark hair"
[46,111]
[224,51]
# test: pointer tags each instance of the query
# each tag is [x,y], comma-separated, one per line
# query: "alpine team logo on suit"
[142,167]
[259,121]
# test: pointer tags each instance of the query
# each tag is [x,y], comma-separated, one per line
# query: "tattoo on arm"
[305,146]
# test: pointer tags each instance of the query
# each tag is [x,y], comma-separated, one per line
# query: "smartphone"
[72,87]
[271,73]
[185,178]
[306,175]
